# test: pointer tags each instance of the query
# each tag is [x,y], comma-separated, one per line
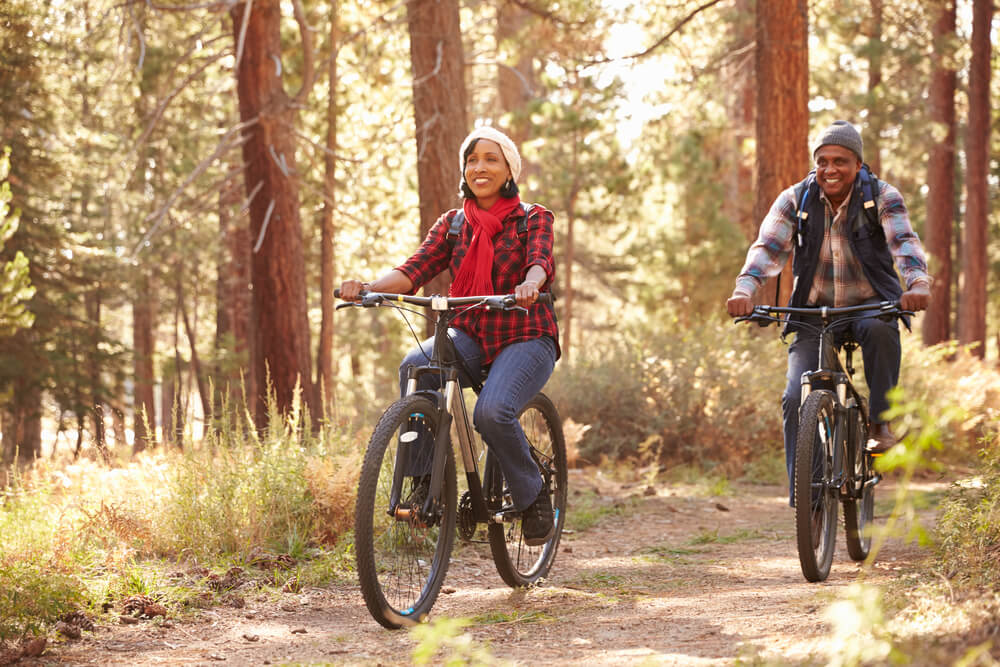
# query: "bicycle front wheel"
[517,563]
[815,502]
[402,554]
[859,510]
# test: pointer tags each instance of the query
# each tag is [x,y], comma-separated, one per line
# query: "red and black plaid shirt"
[512,256]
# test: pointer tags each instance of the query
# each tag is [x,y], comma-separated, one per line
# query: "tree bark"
[232,323]
[324,355]
[144,404]
[972,310]
[516,81]
[782,124]
[873,150]
[281,350]
[439,110]
[936,322]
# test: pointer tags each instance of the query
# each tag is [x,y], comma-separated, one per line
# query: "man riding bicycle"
[843,256]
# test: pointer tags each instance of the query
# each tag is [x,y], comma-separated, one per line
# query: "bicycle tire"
[815,502]
[518,564]
[401,563]
[859,513]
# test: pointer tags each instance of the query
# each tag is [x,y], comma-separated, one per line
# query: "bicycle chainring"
[466,518]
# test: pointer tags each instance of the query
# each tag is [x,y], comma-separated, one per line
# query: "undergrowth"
[274,505]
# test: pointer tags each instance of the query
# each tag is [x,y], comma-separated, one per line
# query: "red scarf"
[475,274]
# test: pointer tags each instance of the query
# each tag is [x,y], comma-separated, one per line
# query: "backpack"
[869,199]
[455,228]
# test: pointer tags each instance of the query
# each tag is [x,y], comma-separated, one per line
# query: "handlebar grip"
[336,292]
[546,298]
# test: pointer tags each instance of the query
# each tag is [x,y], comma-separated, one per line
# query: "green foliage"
[708,394]
[968,531]
[446,636]
[242,489]
[38,579]
[32,598]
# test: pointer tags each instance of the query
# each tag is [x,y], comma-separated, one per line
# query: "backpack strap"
[869,195]
[801,210]
[455,228]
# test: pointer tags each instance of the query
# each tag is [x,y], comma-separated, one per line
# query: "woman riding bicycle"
[503,247]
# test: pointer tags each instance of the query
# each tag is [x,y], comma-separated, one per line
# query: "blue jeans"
[881,353]
[517,373]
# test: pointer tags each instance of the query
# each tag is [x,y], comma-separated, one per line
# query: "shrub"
[708,394]
[968,532]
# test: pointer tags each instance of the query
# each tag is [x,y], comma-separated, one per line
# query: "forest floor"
[670,575]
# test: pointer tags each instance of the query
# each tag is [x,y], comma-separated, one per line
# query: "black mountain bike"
[831,459]
[407,507]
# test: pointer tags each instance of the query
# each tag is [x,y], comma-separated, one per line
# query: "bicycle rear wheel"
[859,512]
[517,563]
[815,502]
[402,556]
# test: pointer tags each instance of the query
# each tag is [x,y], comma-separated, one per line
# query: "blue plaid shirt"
[839,279]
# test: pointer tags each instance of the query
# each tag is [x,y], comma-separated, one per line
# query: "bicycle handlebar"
[765,315]
[437,302]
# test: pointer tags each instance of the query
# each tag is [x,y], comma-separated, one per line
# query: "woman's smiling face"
[836,169]
[486,171]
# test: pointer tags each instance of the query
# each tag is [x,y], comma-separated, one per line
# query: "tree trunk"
[196,368]
[281,347]
[232,322]
[143,316]
[516,81]
[324,355]
[740,83]
[972,310]
[936,322]
[782,65]
[873,151]
[439,102]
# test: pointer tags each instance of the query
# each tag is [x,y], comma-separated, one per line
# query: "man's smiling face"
[836,169]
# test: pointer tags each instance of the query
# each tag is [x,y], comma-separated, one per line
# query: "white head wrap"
[506,145]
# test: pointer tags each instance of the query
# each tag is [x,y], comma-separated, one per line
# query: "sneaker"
[881,439]
[537,521]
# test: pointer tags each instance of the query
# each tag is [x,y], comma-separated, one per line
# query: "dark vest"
[866,238]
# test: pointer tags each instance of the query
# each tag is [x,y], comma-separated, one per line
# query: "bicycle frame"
[830,373]
[448,398]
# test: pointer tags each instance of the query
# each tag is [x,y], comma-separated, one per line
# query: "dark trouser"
[881,353]
[517,373]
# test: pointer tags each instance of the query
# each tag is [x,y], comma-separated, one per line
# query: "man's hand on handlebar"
[916,298]
[739,305]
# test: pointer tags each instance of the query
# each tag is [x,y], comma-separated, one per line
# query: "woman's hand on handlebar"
[526,293]
[351,289]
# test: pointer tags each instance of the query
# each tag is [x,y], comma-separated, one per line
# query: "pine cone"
[79,619]
[136,604]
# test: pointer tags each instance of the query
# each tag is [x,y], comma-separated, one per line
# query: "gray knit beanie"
[841,133]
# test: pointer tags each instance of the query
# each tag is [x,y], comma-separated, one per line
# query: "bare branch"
[308,57]
[263,227]
[162,106]
[225,144]
[662,40]
[547,15]
[243,34]
[323,148]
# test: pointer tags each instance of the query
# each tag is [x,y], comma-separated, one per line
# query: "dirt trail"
[672,577]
